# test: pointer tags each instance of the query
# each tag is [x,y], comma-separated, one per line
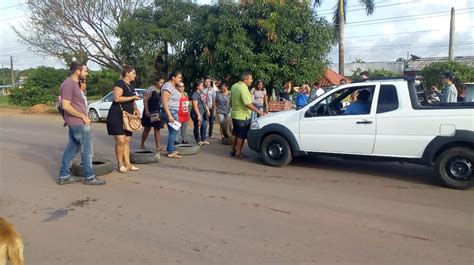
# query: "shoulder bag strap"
[134,103]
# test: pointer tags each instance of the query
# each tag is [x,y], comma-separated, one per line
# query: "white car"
[398,125]
[100,109]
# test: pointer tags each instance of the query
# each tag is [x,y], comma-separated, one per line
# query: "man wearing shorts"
[242,107]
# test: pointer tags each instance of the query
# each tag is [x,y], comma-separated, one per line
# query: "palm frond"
[335,17]
[369,6]
[317,3]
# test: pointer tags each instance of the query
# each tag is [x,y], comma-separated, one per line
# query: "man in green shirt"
[242,107]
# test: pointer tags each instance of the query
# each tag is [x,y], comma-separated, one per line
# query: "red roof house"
[332,78]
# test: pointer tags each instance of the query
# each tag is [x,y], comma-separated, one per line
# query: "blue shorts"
[240,128]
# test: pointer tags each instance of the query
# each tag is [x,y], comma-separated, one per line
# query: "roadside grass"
[5,104]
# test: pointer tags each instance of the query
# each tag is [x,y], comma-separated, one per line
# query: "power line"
[409,44]
[390,34]
[409,16]
[405,18]
[8,7]
[386,49]
[329,9]
[13,49]
[11,18]
[359,9]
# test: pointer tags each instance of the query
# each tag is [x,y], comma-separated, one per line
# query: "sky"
[397,27]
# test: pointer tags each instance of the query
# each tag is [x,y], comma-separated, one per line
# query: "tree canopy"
[273,39]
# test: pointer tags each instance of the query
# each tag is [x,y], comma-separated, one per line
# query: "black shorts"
[240,128]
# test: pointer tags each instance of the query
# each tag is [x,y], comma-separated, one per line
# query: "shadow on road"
[393,170]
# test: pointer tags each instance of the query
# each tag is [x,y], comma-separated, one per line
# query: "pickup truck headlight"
[254,125]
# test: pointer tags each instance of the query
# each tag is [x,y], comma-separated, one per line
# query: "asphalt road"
[213,209]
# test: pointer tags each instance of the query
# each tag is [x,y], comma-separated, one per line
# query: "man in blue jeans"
[73,102]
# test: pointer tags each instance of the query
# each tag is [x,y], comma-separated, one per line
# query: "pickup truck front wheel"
[455,168]
[276,151]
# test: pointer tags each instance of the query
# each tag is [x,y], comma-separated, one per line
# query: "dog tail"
[15,252]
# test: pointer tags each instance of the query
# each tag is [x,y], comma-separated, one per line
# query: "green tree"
[266,37]
[339,19]
[46,77]
[271,41]
[432,73]
[154,37]
[99,83]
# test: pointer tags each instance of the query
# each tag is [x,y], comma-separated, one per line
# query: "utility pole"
[3,76]
[3,79]
[452,31]
[341,37]
[13,73]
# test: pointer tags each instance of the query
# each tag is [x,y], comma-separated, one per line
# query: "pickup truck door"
[325,128]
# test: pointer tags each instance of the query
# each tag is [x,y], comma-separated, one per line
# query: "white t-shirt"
[319,92]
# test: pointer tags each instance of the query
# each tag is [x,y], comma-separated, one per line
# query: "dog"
[11,244]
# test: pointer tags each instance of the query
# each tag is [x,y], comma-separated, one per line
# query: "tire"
[455,168]
[226,141]
[276,151]
[93,115]
[187,149]
[227,127]
[144,156]
[101,167]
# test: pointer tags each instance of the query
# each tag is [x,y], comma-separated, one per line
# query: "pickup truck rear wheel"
[455,168]
[276,151]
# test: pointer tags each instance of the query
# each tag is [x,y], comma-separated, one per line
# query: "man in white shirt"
[210,93]
[317,90]
[449,94]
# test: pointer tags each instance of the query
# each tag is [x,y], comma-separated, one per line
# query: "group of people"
[303,93]
[165,103]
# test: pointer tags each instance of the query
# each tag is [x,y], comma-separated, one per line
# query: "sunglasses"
[180,86]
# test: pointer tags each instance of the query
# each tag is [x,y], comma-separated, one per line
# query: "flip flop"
[240,156]
[134,168]
[123,169]
[174,155]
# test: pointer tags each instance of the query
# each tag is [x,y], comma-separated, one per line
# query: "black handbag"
[155,116]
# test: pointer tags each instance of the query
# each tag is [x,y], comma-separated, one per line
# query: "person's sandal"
[132,168]
[123,169]
[94,181]
[240,156]
[174,155]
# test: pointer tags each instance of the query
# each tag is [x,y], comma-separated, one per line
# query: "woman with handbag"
[124,103]
[151,113]
[170,97]
[199,113]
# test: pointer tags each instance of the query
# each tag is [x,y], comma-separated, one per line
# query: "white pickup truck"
[393,121]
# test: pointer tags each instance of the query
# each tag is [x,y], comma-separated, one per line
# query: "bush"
[374,74]
[432,73]
[41,87]
[101,82]
[31,95]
